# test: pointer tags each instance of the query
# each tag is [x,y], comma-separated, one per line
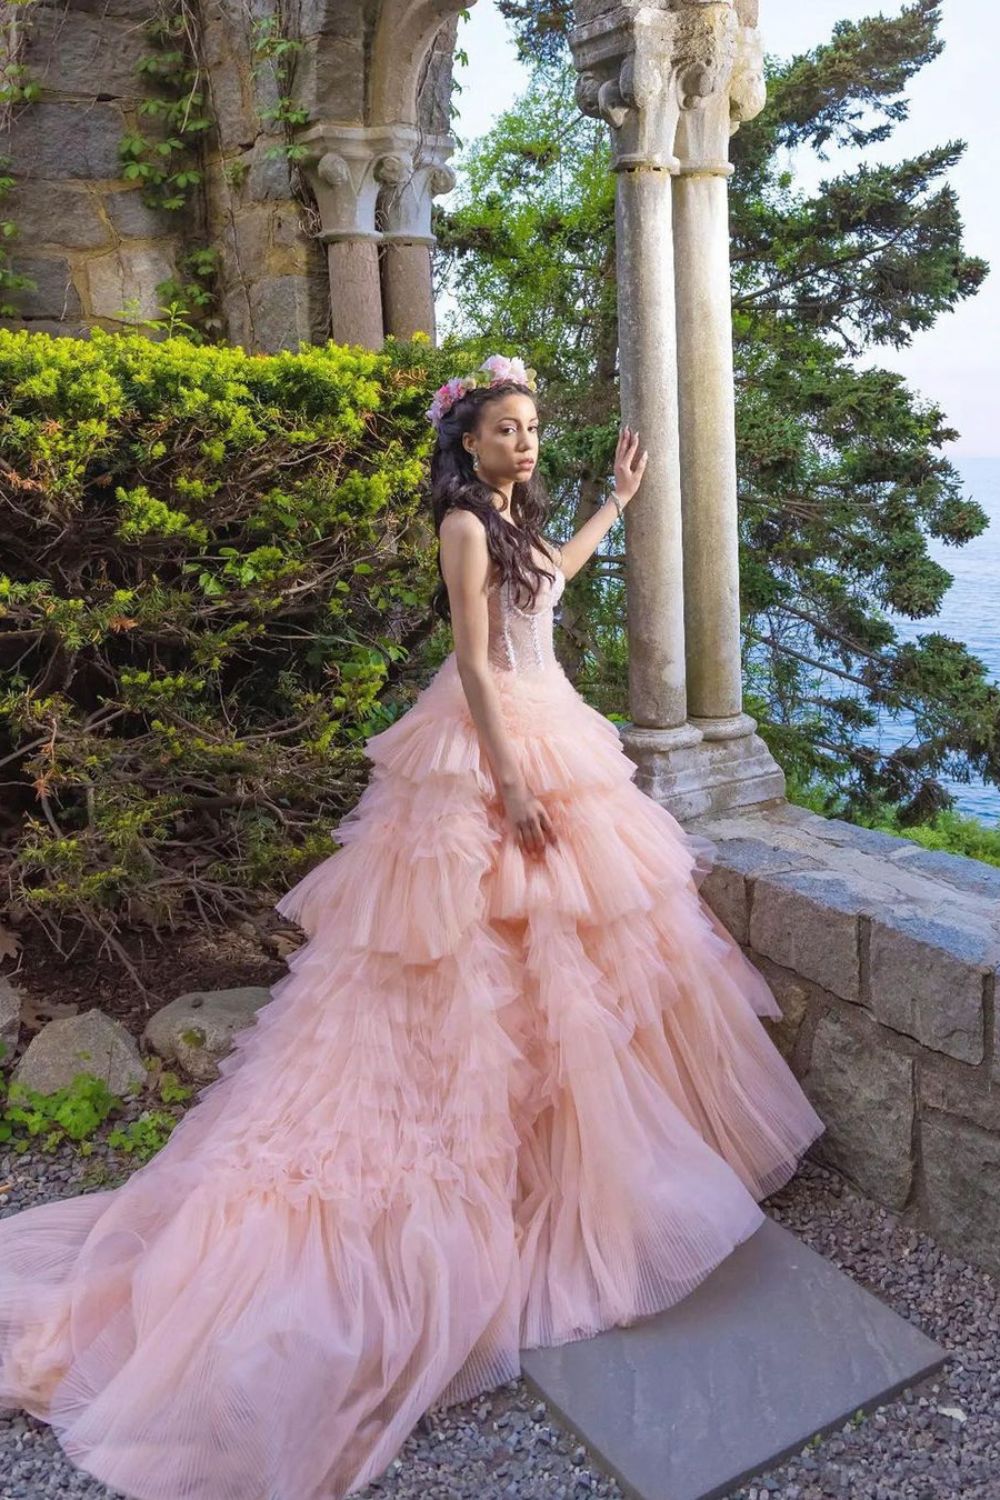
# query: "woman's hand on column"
[630,465]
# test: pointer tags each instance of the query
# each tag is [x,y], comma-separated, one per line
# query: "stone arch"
[375,177]
[405,34]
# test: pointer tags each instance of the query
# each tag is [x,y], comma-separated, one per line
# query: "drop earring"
[475,461]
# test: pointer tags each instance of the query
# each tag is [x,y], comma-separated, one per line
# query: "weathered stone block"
[757,857]
[955,870]
[61,213]
[53,295]
[196,1030]
[927,980]
[962,1177]
[60,139]
[87,52]
[808,922]
[130,216]
[48,325]
[127,273]
[867,840]
[793,997]
[269,176]
[954,1090]
[88,1043]
[233,110]
[286,309]
[335,69]
[726,893]
[864,1093]
[726,889]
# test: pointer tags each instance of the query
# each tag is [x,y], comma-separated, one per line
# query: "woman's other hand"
[529,819]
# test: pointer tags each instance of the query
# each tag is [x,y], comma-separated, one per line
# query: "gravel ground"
[939,1441]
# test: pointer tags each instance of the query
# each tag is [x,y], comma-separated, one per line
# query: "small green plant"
[76,1113]
[17,86]
[10,280]
[235,171]
[144,1137]
[271,48]
[166,162]
[73,1113]
[182,300]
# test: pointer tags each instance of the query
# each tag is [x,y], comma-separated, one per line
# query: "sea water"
[970,612]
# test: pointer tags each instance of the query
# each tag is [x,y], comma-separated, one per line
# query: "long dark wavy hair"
[455,483]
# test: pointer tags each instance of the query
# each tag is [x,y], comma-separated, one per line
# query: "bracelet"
[618,504]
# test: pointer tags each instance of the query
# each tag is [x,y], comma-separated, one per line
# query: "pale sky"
[956,363]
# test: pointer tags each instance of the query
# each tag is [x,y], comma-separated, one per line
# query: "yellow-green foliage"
[210,562]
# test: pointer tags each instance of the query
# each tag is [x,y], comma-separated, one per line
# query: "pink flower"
[498,367]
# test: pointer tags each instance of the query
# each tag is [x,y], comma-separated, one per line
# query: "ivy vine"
[167,162]
[17,86]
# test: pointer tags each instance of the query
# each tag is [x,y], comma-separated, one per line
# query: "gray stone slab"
[807,921]
[927,978]
[776,1345]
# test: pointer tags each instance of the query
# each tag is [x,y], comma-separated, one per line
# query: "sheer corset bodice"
[521,639]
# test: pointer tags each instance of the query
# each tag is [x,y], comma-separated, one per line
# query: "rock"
[961,1169]
[928,979]
[738,862]
[10,1020]
[807,921]
[793,997]
[865,1096]
[53,295]
[58,138]
[131,273]
[87,47]
[286,309]
[87,1043]
[131,216]
[196,1030]
[65,214]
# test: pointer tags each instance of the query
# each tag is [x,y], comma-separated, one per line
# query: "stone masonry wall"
[84,234]
[884,958]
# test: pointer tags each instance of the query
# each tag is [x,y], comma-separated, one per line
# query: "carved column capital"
[410,181]
[672,78]
[340,166]
[356,169]
[735,93]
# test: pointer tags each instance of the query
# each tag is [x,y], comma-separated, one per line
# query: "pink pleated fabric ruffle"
[497,1102]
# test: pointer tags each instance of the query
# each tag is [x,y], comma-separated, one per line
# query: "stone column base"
[691,775]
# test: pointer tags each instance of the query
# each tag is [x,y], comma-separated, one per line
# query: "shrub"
[212,565]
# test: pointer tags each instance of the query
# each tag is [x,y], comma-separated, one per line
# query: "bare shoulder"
[462,539]
[462,527]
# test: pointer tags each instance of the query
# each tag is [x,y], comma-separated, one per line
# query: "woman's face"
[506,440]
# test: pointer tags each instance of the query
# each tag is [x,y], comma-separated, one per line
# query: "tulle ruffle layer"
[498,1101]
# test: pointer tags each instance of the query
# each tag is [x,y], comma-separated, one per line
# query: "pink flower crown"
[492,371]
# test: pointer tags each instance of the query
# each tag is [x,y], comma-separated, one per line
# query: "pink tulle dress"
[499,1101]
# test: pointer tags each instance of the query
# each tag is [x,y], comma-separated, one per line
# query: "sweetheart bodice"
[521,639]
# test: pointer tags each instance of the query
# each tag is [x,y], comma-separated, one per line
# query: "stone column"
[341,167]
[623,57]
[727,87]
[662,75]
[409,184]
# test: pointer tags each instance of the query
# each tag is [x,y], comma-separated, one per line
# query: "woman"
[514,1089]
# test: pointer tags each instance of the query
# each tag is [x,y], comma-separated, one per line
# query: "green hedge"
[211,564]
